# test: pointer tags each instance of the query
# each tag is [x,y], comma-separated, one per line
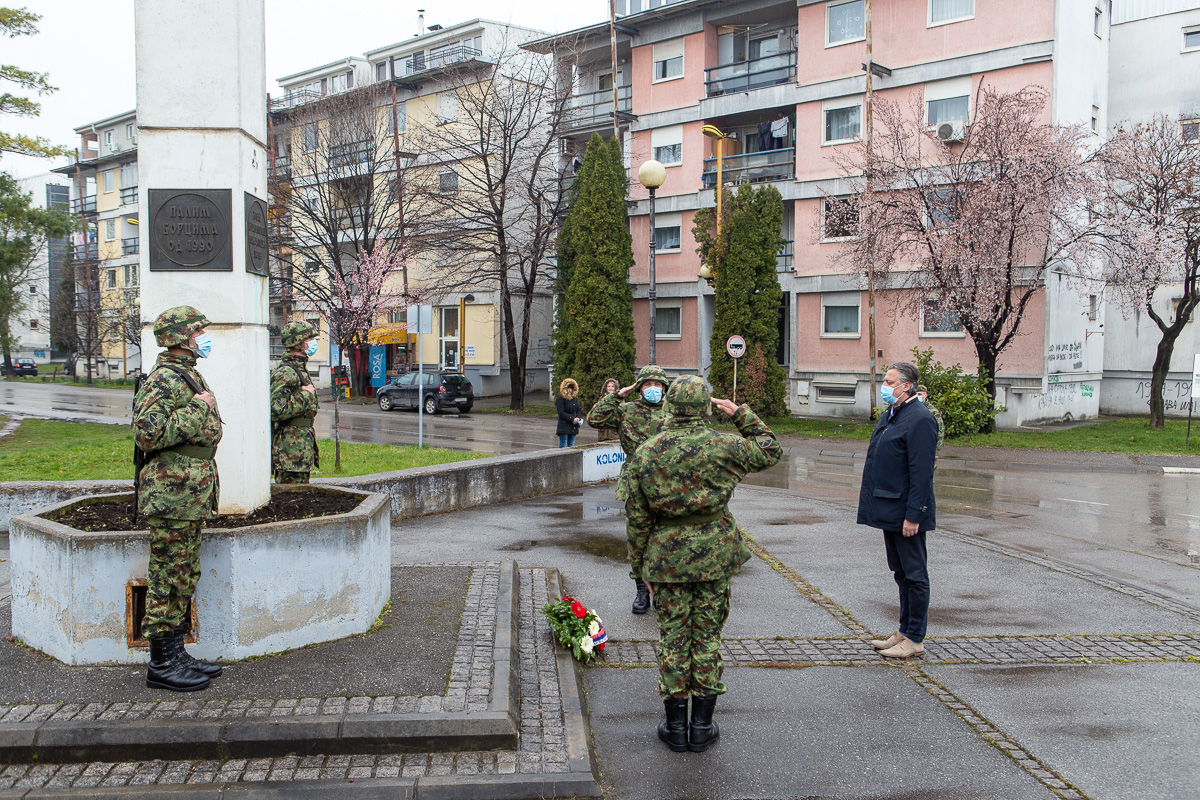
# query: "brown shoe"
[891,641]
[906,648]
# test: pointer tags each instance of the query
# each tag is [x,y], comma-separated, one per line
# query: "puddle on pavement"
[801,519]
[612,548]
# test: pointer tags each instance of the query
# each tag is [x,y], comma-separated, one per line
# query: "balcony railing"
[765,165]
[421,62]
[129,194]
[82,299]
[296,97]
[754,73]
[129,247]
[785,258]
[344,155]
[595,109]
[281,168]
[82,251]
[85,205]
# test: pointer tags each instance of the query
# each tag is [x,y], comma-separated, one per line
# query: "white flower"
[585,644]
[594,628]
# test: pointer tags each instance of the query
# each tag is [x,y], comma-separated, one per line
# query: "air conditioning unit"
[951,131]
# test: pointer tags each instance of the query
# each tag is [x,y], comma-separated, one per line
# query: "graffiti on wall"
[1059,394]
[1177,395]
[1065,356]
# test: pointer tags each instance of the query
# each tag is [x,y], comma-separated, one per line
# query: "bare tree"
[493,187]
[968,227]
[1151,215]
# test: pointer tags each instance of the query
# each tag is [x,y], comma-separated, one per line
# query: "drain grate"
[135,612]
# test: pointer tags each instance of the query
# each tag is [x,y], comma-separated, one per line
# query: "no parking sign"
[735,346]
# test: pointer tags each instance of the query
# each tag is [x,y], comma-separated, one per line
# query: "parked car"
[440,390]
[24,366]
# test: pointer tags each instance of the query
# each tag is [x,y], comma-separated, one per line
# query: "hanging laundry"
[779,129]
[764,137]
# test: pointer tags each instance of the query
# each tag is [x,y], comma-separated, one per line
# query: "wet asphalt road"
[1068,503]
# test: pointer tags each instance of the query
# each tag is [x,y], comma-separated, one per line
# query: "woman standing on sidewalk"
[603,432]
[569,413]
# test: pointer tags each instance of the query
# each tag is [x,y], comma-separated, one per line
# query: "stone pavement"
[1042,677]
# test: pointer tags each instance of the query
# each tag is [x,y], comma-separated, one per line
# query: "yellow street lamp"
[713,132]
[652,174]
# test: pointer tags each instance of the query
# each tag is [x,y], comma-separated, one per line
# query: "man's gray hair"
[908,374]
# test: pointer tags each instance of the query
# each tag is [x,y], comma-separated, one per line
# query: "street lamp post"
[713,132]
[651,175]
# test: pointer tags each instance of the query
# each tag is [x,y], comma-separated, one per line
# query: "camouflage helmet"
[651,372]
[176,325]
[689,396]
[295,334]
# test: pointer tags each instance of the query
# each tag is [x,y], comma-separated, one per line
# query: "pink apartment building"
[786,79]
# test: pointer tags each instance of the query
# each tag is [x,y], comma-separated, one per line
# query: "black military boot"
[209,669]
[167,671]
[674,729]
[703,730]
[641,603]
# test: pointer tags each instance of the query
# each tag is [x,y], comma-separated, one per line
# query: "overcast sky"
[87,47]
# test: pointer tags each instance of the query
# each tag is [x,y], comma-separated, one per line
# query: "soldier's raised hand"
[309,388]
[727,407]
[624,390]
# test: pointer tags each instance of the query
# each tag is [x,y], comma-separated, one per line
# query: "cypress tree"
[747,294]
[594,336]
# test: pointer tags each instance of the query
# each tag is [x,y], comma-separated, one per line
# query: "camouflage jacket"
[937,415]
[635,421]
[293,446]
[680,481]
[166,416]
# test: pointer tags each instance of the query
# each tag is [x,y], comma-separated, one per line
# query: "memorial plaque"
[256,235]
[190,230]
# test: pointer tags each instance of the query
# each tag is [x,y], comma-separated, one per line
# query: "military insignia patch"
[765,442]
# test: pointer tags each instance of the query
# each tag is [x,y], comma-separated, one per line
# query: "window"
[108,138]
[844,22]
[942,206]
[669,154]
[340,83]
[110,230]
[1095,119]
[943,11]
[1093,307]
[842,124]
[1191,38]
[129,131]
[668,322]
[938,320]
[1190,129]
[1098,24]
[840,312]
[666,238]
[131,275]
[32,289]
[839,219]
[33,324]
[448,180]
[447,107]
[401,118]
[668,60]
[604,82]
[315,322]
[110,279]
[310,137]
[836,394]
[312,267]
[952,109]
[382,71]
[667,144]
[108,181]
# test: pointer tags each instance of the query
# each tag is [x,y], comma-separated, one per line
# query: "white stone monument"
[202,187]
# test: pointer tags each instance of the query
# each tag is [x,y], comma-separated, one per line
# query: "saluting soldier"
[687,546]
[293,407]
[636,421]
[177,424]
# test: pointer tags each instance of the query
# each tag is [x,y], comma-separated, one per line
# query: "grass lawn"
[42,450]
[63,379]
[1112,435]
[530,410]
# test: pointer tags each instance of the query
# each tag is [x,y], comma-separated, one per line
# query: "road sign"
[735,346]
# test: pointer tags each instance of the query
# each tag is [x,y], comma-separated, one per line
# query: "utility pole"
[865,222]
[612,39]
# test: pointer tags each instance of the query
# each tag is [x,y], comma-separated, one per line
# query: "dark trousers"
[909,563]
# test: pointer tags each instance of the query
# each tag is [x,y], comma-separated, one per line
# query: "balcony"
[595,109]
[421,62]
[129,247]
[82,299]
[84,205]
[785,258]
[294,98]
[129,195]
[280,169]
[81,252]
[765,165]
[350,153]
[754,73]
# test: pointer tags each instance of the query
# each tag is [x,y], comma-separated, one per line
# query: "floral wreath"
[576,628]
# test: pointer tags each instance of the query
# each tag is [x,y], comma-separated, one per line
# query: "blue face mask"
[203,345]
[311,350]
[653,394]
[888,394]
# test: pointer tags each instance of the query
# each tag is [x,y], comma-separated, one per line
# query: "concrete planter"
[263,588]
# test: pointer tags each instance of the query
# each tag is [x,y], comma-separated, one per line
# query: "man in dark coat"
[897,497]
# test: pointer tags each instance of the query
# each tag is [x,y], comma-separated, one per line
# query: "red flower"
[567,599]
[601,647]
[578,609]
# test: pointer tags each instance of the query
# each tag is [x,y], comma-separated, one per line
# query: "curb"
[345,734]
[580,755]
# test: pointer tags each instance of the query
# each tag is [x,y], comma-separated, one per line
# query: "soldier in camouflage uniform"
[293,407]
[687,546]
[923,396]
[636,421]
[177,424]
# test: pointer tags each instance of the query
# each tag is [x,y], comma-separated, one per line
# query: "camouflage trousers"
[290,476]
[690,619]
[173,573]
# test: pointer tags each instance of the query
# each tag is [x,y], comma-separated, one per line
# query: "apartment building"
[1155,47]
[785,81]
[30,327]
[332,135]
[104,179]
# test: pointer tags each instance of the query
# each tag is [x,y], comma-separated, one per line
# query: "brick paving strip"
[551,757]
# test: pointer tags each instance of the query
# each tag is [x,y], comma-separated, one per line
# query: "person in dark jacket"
[604,433]
[569,413]
[897,497]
